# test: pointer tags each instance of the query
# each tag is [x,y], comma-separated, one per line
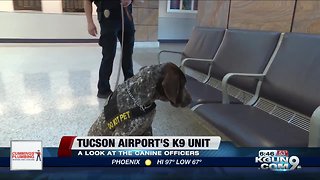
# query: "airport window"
[34,5]
[72,6]
[182,6]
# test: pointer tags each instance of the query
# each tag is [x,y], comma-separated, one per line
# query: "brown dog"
[165,82]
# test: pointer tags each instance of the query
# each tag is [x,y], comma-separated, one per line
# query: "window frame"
[192,11]
[66,10]
[16,6]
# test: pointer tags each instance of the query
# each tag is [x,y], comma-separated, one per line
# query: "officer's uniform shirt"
[113,6]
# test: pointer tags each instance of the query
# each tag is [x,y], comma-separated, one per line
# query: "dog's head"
[171,86]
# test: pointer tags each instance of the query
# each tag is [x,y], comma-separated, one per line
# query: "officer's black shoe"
[104,95]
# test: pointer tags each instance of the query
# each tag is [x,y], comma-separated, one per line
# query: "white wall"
[43,26]
[52,23]
[174,26]
[50,6]
[6,5]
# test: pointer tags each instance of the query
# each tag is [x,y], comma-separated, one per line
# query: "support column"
[6,5]
[50,6]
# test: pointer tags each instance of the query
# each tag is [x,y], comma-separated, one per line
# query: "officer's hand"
[92,29]
[126,3]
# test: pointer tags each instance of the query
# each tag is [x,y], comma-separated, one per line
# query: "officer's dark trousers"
[111,30]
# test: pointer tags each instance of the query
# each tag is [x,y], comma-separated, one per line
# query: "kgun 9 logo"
[277,160]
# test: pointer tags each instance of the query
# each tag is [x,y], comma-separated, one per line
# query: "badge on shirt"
[106,13]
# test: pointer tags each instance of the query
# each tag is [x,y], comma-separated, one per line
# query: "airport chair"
[287,113]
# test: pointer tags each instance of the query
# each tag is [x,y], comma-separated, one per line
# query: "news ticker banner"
[180,151]
[102,146]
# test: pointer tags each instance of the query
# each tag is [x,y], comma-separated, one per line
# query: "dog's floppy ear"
[171,82]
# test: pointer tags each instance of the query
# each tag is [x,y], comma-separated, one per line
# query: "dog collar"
[114,118]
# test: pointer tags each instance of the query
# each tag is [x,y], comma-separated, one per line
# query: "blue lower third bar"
[157,162]
[226,156]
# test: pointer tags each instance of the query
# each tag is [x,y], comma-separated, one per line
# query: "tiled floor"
[50,91]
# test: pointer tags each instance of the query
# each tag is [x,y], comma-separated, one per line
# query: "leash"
[112,115]
[122,40]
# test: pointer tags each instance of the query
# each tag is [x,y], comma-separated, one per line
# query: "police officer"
[109,16]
